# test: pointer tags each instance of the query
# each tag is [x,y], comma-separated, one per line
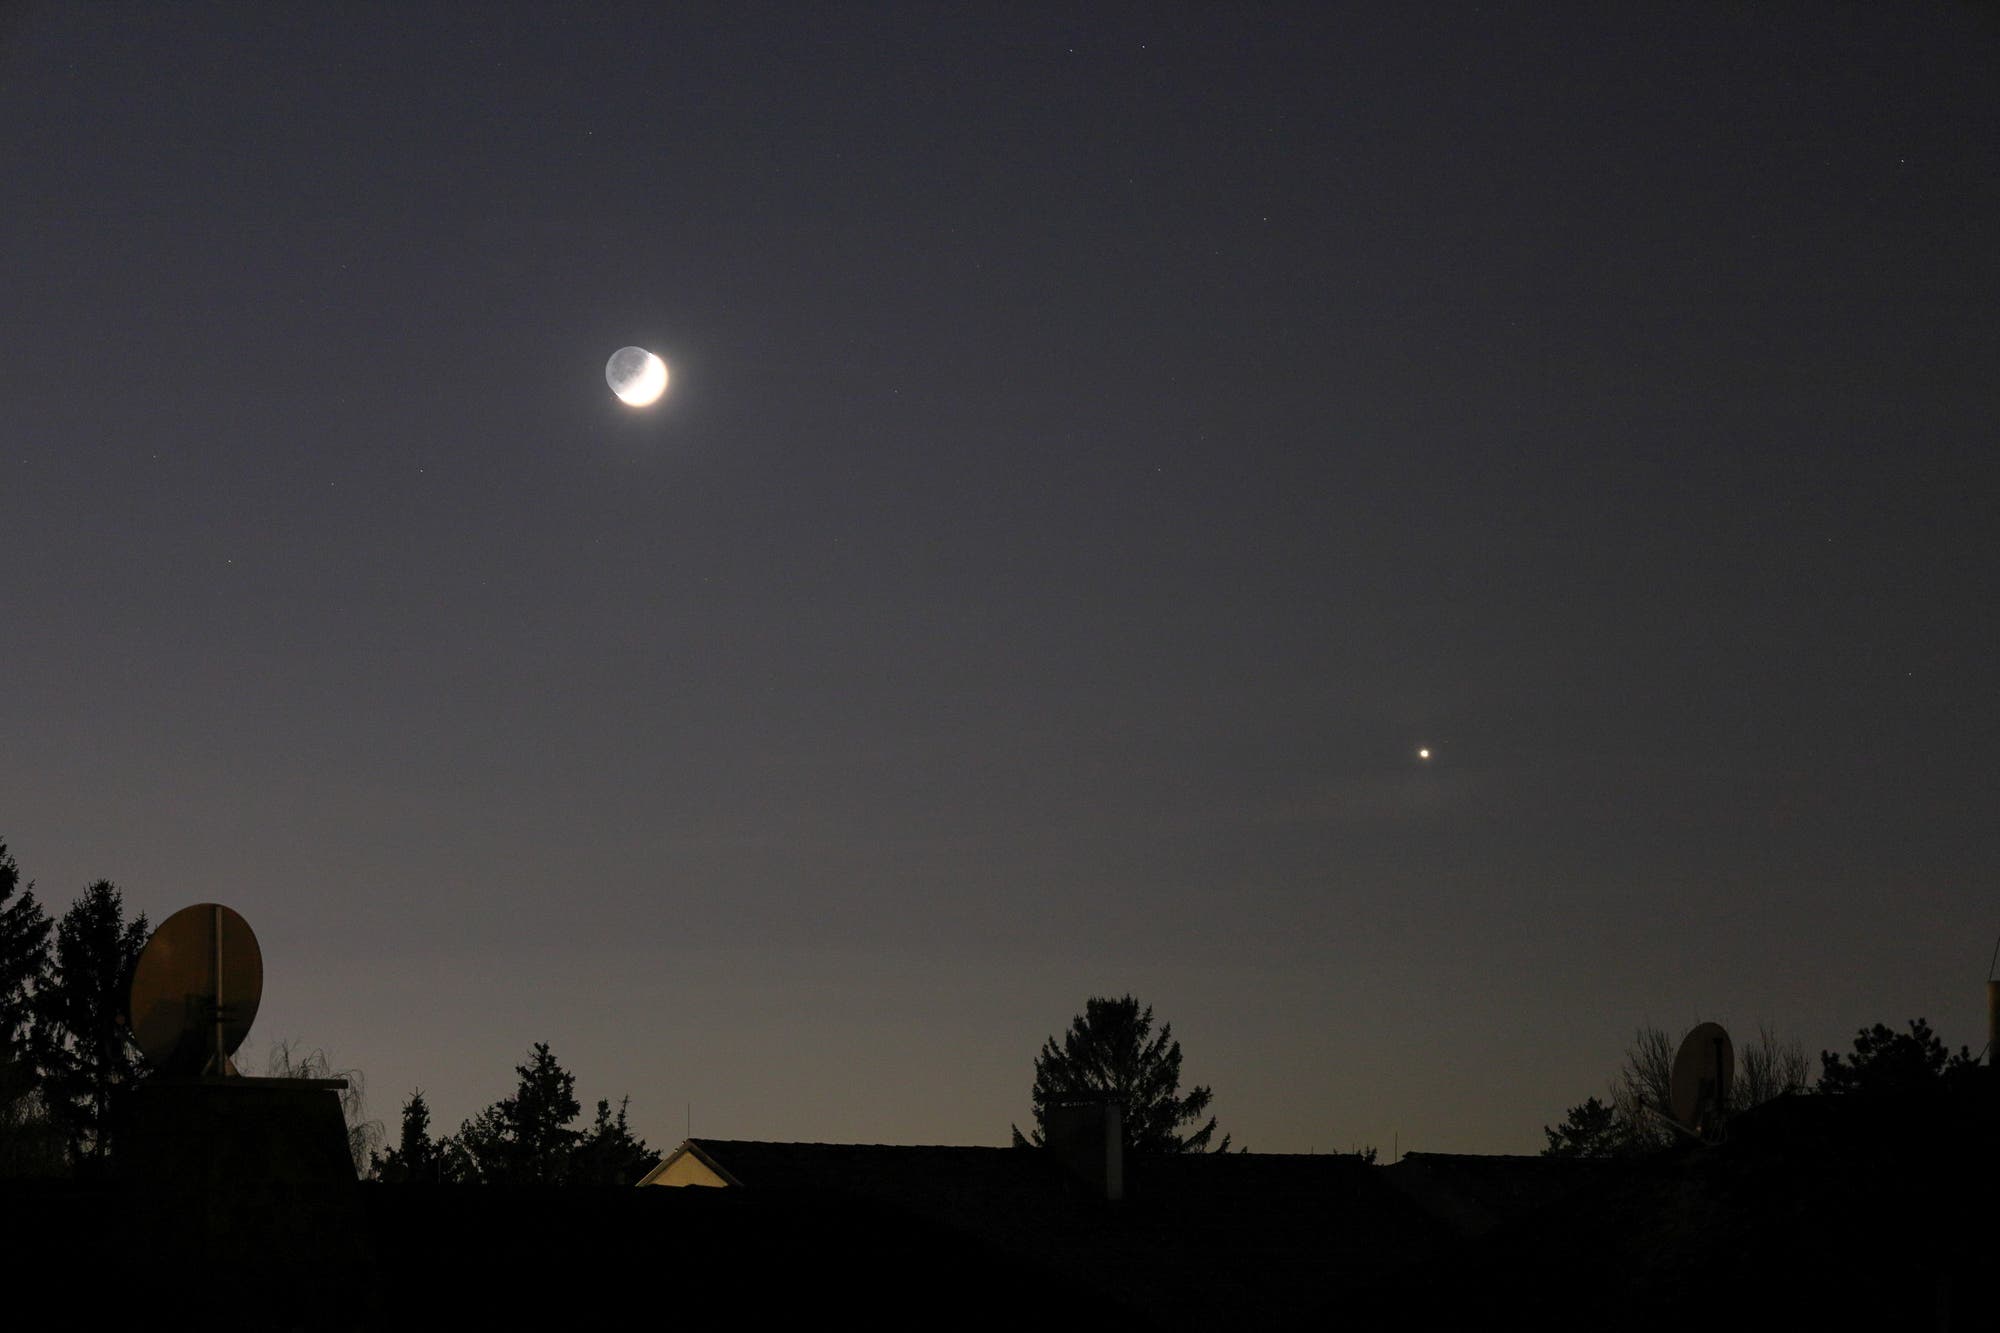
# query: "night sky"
[1103,447]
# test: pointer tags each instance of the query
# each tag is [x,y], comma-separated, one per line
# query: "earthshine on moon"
[636,376]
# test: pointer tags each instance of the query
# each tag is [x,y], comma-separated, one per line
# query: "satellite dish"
[1703,1069]
[195,990]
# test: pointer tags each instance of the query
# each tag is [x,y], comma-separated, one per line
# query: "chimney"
[1087,1134]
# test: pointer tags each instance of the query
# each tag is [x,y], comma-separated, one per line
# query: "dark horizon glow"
[1103,450]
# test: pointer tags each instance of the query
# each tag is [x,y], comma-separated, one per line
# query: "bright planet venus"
[636,376]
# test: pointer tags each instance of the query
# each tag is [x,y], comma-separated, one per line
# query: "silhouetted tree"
[1887,1061]
[1110,1050]
[1636,1118]
[609,1153]
[526,1138]
[25,1137]
[1768,1067]
[24,957]
[1593,1129]
[416,1157]
[82,1043]
[364,1136]
[481,1152]
[1642,1089]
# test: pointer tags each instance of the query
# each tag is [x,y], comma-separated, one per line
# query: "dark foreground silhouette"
[1836,1211]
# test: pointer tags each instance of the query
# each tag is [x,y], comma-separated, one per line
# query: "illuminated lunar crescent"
[636,376]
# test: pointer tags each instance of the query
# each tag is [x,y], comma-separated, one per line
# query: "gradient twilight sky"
[1104,445]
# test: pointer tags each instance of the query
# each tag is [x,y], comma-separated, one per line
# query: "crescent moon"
[640,386]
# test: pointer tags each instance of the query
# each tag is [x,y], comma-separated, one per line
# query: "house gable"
[689,1165]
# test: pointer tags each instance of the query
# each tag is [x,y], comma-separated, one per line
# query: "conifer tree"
[1110,1051]
[24,956]
[525,1138]
[82,1042]
[416,1158]
[24,953]
[1593,1129]
[1884,1060]
[609,1153]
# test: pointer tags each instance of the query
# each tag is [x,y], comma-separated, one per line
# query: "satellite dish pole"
[218,1062]
[1993,1025]
[1718,1089]
[1993,1010]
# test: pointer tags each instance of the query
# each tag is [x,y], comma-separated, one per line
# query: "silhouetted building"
[1233,1235]
[1474,1193]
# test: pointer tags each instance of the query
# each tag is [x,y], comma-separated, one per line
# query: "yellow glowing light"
[1424,753]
